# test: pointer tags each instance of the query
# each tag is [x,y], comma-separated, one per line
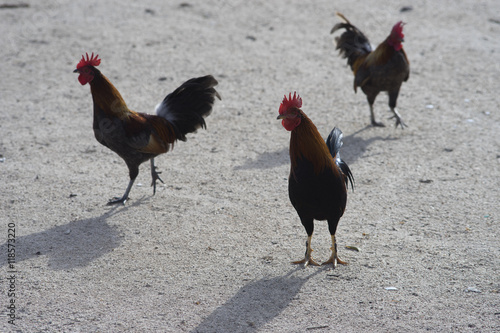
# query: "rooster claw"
[155,176]
[334,261]
[307,257]
[377,124]
[306,261]
[399,120]
[153,183]
[117,200]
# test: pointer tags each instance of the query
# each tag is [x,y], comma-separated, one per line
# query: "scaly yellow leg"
[308,258]
[334,259]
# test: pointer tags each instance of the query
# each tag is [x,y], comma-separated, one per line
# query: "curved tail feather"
[334,142]
[187,106]
[352,43]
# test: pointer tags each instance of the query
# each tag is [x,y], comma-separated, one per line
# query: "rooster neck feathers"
[306,143]
[380,56]
[107,97]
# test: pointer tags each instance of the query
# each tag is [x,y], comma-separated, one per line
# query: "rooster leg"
[133,171]
[372,117]
[399,120]
[154,175]
[370,97]
[124,198]
[334,259]
[393,97]
[308,258]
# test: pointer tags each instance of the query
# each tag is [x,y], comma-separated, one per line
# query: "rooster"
[318,179]
[139,137]
[384,69]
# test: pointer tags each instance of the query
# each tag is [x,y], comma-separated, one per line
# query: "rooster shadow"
[71,245]
[353,149]
[255,304]
[266,160]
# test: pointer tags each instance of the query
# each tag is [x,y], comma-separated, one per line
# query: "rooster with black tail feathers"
[139,137]
[382,69]
[318,179]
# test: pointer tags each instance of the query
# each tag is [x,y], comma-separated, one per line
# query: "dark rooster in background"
[139,137]
[318,179]
[384,69]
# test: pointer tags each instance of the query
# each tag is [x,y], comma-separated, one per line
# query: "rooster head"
[86,68]
[289,111]
[396,37]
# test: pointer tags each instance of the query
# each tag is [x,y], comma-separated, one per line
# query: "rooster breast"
[387,76]
[114,133]
[319,196]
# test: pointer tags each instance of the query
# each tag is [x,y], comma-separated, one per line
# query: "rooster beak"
[76,71]
[281,116]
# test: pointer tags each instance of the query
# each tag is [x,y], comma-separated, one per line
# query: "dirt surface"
[211,251]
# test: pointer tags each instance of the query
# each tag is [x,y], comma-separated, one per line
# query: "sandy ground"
[211,251]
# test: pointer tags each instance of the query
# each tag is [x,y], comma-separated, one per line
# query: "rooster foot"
[399,120]
[155,175]
[334,260]
[307,257]
[377,124]
[372,118]
[117,200]
[306,261]
[124,198]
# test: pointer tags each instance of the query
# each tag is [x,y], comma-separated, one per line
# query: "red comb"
[92,61]
[397,30]
[295,101]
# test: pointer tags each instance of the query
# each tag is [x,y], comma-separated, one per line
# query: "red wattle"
[290,123]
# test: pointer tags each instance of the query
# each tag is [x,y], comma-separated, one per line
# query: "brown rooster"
[139,137]
[384,69]
[318,179]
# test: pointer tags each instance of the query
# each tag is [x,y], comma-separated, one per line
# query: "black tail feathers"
[334,142]
[352,43]
[187,106]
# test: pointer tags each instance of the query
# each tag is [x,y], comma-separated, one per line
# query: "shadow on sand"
[354,148]
[266,160]
[70,245]
[255,304]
